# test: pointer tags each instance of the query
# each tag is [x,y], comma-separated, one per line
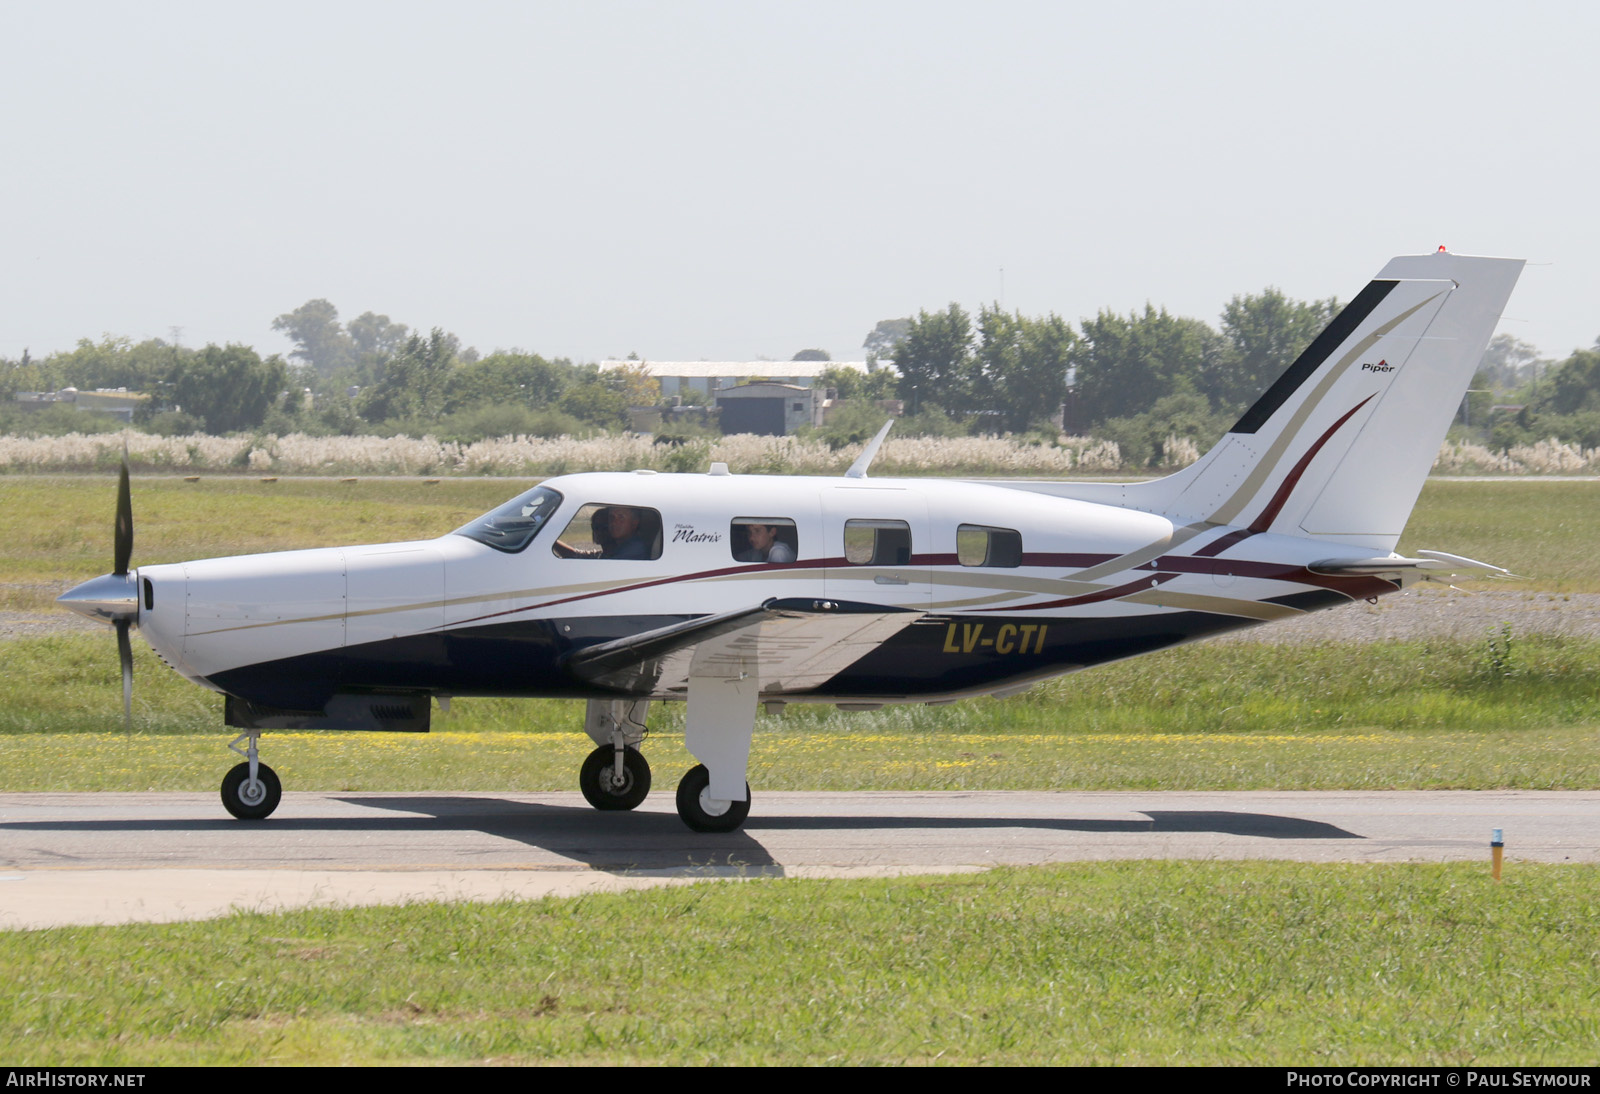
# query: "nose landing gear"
[615,777]
[251,790]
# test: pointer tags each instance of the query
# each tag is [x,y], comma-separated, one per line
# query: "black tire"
[596,783]
[693,811]
[246,807]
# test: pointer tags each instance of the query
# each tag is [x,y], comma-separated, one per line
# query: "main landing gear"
[616,775]
[704,813]
[251,791]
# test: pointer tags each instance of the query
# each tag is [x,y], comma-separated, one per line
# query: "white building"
[680,377]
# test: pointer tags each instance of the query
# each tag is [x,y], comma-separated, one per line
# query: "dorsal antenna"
[858,470]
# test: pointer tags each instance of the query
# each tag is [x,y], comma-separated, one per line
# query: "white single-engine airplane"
[732,591]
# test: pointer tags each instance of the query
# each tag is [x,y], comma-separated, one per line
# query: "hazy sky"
[737,180]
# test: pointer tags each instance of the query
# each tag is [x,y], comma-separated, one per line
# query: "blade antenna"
[858,470]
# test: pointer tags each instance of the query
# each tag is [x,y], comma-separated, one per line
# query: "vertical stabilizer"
[1339,446]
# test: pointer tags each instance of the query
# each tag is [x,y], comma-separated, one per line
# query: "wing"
[788,645]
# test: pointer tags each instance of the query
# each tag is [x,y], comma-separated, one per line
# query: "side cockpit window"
[981,545]
[763,539]
[611,531]
[512,527]
[877,542]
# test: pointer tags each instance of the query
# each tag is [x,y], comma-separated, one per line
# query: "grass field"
[1119,963]
[1136,963]
[1542,530]
[1439,714]
[1445,714]
[58,527]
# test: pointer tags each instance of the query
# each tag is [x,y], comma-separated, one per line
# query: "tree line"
[1140,378]
[1135,379]
[1542,398]
[370,375]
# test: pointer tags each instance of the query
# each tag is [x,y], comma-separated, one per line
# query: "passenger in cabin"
[765,546]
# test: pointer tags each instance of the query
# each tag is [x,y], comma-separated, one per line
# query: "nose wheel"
[251,791]
[251,799]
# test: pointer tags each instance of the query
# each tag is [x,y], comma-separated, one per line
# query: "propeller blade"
[125,655]
[122,543]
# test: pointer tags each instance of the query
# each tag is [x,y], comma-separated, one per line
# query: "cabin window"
[604,530]
[513,525]
[980,545]
[763,539]
[877,542]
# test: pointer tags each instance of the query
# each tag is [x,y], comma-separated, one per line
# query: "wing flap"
[788,645]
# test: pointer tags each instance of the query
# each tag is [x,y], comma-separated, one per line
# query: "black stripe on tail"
[1308,362]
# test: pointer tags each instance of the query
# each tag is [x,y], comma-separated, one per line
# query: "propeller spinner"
[114,598]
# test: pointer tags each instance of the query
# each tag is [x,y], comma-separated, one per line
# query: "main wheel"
[249,800]
[702,812]
[598,778]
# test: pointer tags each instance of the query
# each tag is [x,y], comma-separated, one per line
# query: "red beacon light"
[1442,250]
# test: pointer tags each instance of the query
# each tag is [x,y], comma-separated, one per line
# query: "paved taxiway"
[113,858]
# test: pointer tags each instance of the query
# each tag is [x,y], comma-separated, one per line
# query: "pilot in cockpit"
[617,531]
[624,535]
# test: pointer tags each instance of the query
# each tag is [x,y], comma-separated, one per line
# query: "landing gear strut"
[714,796]
[251,791]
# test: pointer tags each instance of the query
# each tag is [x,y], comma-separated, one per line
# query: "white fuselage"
[327,617]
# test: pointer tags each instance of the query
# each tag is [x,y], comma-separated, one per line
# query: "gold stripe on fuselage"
[1215,605]
[1008,586]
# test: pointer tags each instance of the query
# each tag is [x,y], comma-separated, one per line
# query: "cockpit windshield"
[512,527]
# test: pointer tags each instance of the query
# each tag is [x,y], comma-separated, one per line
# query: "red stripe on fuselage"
[1222,543]
[1071,560]
[1168,567]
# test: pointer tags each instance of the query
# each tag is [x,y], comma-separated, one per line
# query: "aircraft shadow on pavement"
[647,840]
[1219,821]
[471,812]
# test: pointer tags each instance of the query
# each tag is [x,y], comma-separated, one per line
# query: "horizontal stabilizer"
[1432,563]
